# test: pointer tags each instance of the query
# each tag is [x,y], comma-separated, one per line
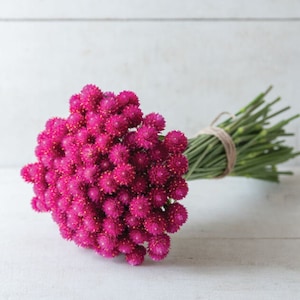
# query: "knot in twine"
[226,140]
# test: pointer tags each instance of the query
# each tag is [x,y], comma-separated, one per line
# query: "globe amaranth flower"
[155,120]
[175,141]
[159,175]
[112,208]
[109,178]
[107,183]
[159,246]
[124,174]
[119,154]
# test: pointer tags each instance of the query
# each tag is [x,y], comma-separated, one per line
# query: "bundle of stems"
[259,144]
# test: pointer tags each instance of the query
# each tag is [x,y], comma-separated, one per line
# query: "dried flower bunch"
[113,182]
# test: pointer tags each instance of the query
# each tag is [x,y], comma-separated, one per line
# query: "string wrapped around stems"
[226,140]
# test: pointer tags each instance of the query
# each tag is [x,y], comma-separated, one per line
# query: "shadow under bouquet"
[114,182]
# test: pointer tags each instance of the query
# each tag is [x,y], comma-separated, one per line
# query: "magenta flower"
[109,178]
[159,175]
[175,141]
[107,183]
[146,137]
[133,114]
[140,207]
[136,257]
[159,246]
[119,154]
[112,208]
[155,120]
[124,174]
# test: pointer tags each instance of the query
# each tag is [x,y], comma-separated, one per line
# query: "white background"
[188,60]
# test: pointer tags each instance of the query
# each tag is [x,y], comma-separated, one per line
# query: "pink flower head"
[95,195]
[116,125]
[178,188]
[177,213]
[109,104]
[107,183]
[124,174]
[107,253]
[139,185]
[138,235]
[158,197]
[104,164]
[159,153]
[172,227]
[91,223]
[75,186]
[155,120]
[141,161]
[156,223]
[33,172]
[159,246]
[40,189]
[73,220]
[74,122]
[112,208]
[147,137]
[39,205]
[94,123]
[79,206]
[126,246]
[64,202]
[119,154]
[103,143]
[106,242]
[113,227]
[132,221]
[90,173]
[66,232]
[62,185]
[82,137]
[124,196]
[140,207]
[133,115]
[70,143]
[175,141]
[159,175]
[56,128]
[51,197]
[178,164]
[129,140]
[136,257]
[83,238]
[89,154]
[58,216]
[75,104]
[123,99]
[27,174]
[90,97]
[109,179]
[128,97]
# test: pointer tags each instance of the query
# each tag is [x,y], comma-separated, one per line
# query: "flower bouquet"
[113,181]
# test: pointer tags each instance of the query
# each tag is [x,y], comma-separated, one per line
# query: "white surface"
[188,70]
[242,241]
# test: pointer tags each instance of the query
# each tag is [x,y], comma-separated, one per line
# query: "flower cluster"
[109,178]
